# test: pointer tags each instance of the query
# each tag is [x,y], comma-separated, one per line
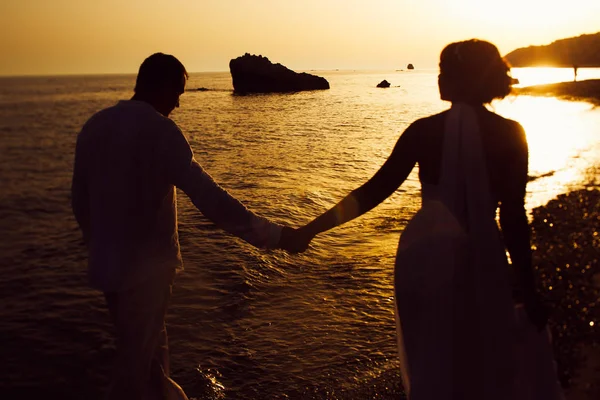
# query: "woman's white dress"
[458,334]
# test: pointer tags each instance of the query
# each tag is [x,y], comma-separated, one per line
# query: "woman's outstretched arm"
[385,181]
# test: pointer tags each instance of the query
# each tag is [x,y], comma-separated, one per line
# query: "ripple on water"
[243,323]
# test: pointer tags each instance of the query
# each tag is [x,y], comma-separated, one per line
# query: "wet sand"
[566,240]
[586,90]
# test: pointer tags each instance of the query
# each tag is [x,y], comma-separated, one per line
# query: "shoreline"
[566,243]
[585,90]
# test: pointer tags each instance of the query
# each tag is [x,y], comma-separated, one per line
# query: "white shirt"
[128,160]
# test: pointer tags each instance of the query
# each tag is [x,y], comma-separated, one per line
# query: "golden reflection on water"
[289,158]
[541,75]
[563,140]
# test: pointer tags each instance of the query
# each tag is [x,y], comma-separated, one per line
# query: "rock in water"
[256,74]
[383,84]
[410,66]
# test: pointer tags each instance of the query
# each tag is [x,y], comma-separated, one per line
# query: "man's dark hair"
[157,70]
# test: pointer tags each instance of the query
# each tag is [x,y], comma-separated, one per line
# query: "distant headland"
[575,52]
[580,51]
[256,74]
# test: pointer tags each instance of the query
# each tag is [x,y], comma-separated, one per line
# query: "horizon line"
[83,74]
[65,74]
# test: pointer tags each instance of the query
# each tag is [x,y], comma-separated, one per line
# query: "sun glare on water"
[544,75]
[562,138]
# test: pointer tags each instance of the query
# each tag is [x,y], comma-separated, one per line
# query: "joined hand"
[294,240]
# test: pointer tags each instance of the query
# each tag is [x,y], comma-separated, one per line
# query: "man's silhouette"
[128,160]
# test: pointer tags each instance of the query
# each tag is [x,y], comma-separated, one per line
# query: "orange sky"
[110,36]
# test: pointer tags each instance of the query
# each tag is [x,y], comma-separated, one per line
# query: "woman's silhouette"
[454,301]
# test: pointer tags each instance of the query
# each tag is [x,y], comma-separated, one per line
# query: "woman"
[455,312]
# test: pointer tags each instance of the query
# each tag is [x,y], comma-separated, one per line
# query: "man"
[128,160]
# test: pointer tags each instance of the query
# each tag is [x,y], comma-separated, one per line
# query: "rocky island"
[256,74]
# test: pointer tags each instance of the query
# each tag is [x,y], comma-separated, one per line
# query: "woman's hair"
[473,71]
[157,70]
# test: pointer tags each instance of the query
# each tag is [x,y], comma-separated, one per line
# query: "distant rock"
[383,84]
[580,51]
[256,74]
[410,66]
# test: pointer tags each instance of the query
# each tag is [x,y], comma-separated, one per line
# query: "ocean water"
[243,324]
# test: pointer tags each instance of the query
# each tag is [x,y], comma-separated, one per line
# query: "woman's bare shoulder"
[426,127]
[503,122]
[432,126]
[430,120]
[506,128]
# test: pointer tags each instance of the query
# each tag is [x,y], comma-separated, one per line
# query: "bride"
[459,332]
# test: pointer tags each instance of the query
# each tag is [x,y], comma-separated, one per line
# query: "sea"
[244,323]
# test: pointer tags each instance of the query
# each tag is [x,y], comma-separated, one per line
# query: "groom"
[128,160]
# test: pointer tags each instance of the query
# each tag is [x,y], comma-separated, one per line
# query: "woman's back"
[504,148]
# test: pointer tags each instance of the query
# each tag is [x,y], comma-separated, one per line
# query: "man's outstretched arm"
[226,211]
[212,200]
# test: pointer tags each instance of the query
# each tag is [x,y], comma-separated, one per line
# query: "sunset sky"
[110,36]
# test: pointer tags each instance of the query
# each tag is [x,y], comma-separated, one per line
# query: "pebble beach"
[566,243]
[566,240]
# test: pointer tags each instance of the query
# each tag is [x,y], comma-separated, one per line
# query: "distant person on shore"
[575,67]
[128,160]
[460,335]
